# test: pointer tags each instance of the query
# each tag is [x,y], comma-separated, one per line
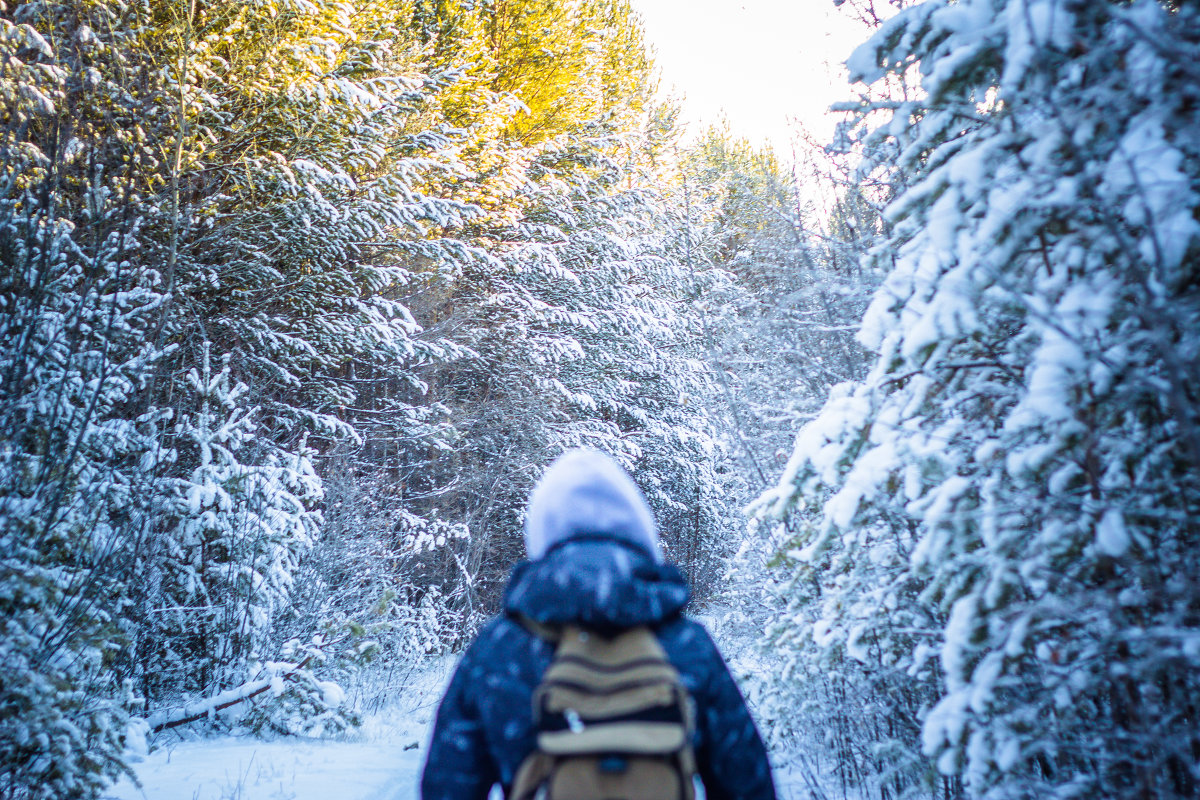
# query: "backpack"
[613,722]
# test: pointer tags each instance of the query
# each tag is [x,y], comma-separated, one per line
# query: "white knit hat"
[584,492]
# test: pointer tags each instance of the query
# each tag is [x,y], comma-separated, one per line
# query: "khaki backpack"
[613,722]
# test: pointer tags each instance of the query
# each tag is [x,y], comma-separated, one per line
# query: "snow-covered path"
[384,764]
[246,769]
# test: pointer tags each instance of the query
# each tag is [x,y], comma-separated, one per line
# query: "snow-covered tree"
[302,212]
[585,337]
[303,233]
[999,523]
[782,335]
[580,319]
[252,181]
[231,535]
[78,308]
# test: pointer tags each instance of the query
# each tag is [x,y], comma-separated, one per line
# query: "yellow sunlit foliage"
[567,62]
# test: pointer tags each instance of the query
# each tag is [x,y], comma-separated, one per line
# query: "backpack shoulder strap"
[549,633]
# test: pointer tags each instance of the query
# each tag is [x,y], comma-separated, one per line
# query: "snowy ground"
[383,763]
[247,769]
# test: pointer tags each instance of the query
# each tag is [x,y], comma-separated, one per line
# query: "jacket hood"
[602,584]
[586,493]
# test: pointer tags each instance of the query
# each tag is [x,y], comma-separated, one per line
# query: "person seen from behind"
[573,691]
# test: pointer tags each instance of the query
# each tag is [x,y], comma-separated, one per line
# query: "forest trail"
[298,298]
[249,769]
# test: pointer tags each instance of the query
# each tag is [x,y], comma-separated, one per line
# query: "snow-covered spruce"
[1003,518]
[170,193]
[586,335]
[290,261]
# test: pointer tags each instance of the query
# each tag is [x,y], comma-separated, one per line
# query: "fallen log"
[202,709]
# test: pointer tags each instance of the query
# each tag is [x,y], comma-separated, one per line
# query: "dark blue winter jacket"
[484,727]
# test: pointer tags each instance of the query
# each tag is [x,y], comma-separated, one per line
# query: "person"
[594,562]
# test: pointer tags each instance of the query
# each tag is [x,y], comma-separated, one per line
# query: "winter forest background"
[298,298]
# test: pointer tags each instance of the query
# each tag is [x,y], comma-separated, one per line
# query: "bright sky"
[763,62]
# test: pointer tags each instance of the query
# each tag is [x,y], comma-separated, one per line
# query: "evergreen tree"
[580,318]
[302,213]
[1004,512]
[236,528]
[780,337]
[187,185]
[78,309]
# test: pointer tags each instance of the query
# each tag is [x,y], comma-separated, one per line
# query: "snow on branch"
[203,709]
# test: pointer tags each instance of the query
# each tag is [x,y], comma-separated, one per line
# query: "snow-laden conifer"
[304,208]
[78,306]
[233,531]
[1003,515]
[606,333]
